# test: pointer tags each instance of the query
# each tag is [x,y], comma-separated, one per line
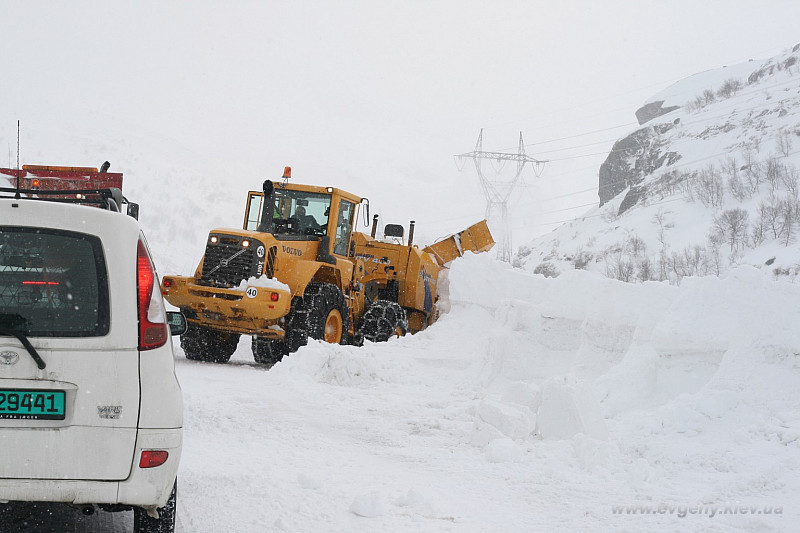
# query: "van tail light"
[153,330]
[153,458]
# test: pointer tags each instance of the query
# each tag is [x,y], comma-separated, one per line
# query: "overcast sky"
[371,92]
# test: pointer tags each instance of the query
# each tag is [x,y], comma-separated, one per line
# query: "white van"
[91,412]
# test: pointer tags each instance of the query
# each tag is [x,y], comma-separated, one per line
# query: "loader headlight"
[245,243]
[213,239]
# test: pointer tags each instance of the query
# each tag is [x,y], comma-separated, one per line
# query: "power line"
[684,123]
[755,90]
[558,111]
[627,124]
[687,123]
[719,112]
[673,145]
[666,169]
[651,203]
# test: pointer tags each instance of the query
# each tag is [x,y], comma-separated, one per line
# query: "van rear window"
[53,283]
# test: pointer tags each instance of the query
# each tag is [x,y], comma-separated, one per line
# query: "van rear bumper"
[145,487]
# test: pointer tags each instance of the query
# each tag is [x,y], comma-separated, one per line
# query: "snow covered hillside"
[711,184]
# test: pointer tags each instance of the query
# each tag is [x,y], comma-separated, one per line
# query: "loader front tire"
[268,352]
[382,320]
[321,313]
[208,345]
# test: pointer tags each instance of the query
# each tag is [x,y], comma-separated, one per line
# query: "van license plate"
[32,404]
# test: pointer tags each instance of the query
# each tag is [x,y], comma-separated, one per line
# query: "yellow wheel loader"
[297,269]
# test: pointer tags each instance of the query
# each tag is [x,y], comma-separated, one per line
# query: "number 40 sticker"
[251,292]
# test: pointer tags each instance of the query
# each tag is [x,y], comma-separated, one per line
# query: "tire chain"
[308,313]
[203,344]
[382,319]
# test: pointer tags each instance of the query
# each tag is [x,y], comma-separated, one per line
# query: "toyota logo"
[8,357]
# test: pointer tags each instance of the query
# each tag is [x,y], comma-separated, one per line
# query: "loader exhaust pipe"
[265,225]
[411,233]
[374,225]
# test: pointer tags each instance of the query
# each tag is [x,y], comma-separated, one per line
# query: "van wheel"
[165,523]
[382,320]
[203,344]
[321,313]
[268,352]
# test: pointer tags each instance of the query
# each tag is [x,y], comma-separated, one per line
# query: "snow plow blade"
[475,238]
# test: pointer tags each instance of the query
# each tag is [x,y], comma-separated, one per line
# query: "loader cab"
[304,212]
[295,214]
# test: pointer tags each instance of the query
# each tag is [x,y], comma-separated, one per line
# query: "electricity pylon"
[498,192]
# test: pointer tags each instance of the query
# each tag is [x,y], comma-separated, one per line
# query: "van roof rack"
[110,199]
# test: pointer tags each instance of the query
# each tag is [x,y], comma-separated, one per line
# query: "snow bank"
[640,365]
[533,404]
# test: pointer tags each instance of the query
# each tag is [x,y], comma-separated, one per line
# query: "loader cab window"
[300,213]
[253,212]
[344,227]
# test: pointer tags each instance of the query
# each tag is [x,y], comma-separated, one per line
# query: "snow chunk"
[308,482]
[263,282]
[416,502]
[569,408]
[410,499]
[510,421]
[503,451]
[590,453]
[523,393]
[368,505]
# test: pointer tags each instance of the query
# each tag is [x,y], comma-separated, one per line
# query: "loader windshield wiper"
[26,343]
